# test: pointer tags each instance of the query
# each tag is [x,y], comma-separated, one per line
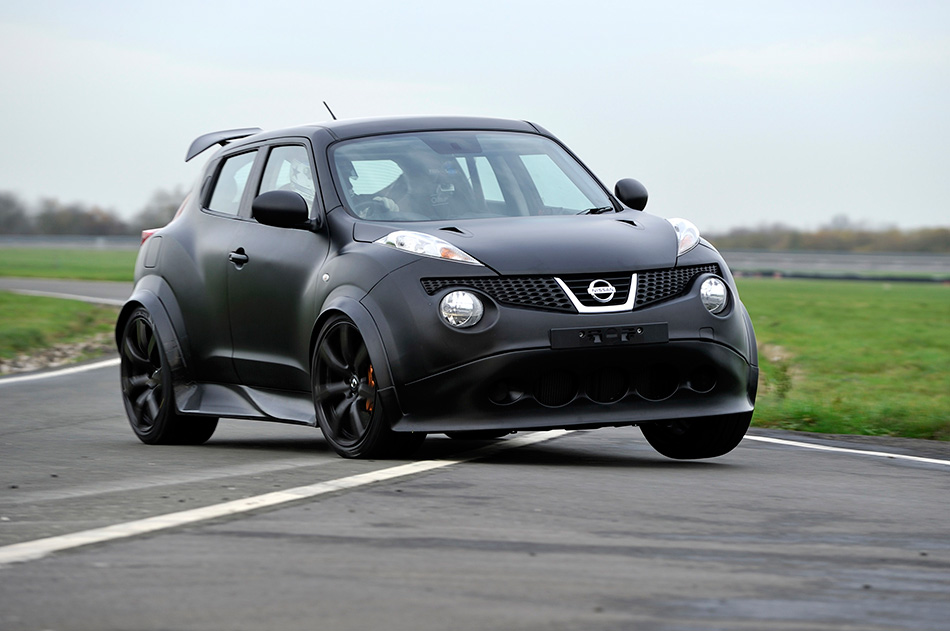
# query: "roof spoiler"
[218,138]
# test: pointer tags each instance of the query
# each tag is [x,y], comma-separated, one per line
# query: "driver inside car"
[378,204]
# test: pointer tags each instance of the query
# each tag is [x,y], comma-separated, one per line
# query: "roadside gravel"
[62,355]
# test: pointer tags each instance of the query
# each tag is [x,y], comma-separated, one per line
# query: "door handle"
[238,257]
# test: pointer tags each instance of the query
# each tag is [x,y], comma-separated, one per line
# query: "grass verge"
[852,357]
[31,324]
[116,265]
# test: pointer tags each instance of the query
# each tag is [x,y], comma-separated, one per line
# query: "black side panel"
[272,303]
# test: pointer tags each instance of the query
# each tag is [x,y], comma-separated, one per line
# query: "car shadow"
[301,446]
[563,452]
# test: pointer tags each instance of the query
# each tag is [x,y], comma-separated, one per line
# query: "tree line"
[51,217]
[834,238]
[840,235]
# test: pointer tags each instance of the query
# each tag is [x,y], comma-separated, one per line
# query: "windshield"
[462,175]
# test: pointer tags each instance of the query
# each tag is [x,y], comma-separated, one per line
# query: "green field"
[71,264]
[31,323]
[852,357]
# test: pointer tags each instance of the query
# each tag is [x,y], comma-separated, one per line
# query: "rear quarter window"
[231,182]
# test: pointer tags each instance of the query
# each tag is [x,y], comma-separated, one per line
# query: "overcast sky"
[731,113]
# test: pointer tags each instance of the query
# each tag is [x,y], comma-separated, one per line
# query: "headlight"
[687,235]
[714,295]
[426,245]
[461,309]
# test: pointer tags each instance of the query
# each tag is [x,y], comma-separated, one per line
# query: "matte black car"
[389,278]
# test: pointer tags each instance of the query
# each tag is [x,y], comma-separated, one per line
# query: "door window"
[288,169]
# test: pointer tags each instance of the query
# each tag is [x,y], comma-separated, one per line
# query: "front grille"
[534,292]
[579,284]
[657,285]
[543,292]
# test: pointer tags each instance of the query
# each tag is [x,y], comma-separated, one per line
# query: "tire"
[697,438]
[147,389]
[345,394]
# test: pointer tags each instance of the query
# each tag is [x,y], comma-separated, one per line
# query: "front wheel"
[349,410]
[697,438]
[147,389]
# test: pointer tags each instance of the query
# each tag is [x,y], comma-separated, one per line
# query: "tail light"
[147,233]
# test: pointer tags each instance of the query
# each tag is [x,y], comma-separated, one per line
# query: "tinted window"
[371,176]
[554,186]
[232,179]
[288,169]
[461,175]
[485,176]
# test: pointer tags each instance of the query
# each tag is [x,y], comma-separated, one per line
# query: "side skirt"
[234,401]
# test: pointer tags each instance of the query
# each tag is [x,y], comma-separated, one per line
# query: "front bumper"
[546,389]
[519,368]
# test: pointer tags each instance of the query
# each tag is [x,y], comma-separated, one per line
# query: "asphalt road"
[841,263]
[586,530]
[114,293]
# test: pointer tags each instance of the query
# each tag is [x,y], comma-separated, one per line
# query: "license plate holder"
[590,337]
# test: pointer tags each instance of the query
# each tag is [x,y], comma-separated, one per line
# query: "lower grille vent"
[653,382]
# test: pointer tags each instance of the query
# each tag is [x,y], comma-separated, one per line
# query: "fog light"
[461,309]
[714,295]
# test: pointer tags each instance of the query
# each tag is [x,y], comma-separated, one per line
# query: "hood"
[564,244]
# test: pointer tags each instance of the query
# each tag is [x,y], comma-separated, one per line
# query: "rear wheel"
[349,410]
[697,438]
[147,389]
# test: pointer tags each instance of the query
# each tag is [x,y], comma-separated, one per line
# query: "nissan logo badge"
[601,291]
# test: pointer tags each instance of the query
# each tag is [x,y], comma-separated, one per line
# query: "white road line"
[56,294]
[31,550]
[168,479]
[6,381]
[857,452]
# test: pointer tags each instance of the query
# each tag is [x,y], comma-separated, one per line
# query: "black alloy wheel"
[345,393]
[147,390]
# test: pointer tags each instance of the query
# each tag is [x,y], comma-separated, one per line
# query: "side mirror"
[282,209]
[631,193]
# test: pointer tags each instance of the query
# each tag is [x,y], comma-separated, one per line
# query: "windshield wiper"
[596,211]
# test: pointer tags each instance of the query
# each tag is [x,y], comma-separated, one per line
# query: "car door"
[201,278]
[272,280]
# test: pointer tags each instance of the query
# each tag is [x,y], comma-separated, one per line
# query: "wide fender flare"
[750,332]
[753,384]
[154,294]
[353,309]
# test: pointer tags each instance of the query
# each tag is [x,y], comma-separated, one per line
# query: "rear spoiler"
[218,138]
